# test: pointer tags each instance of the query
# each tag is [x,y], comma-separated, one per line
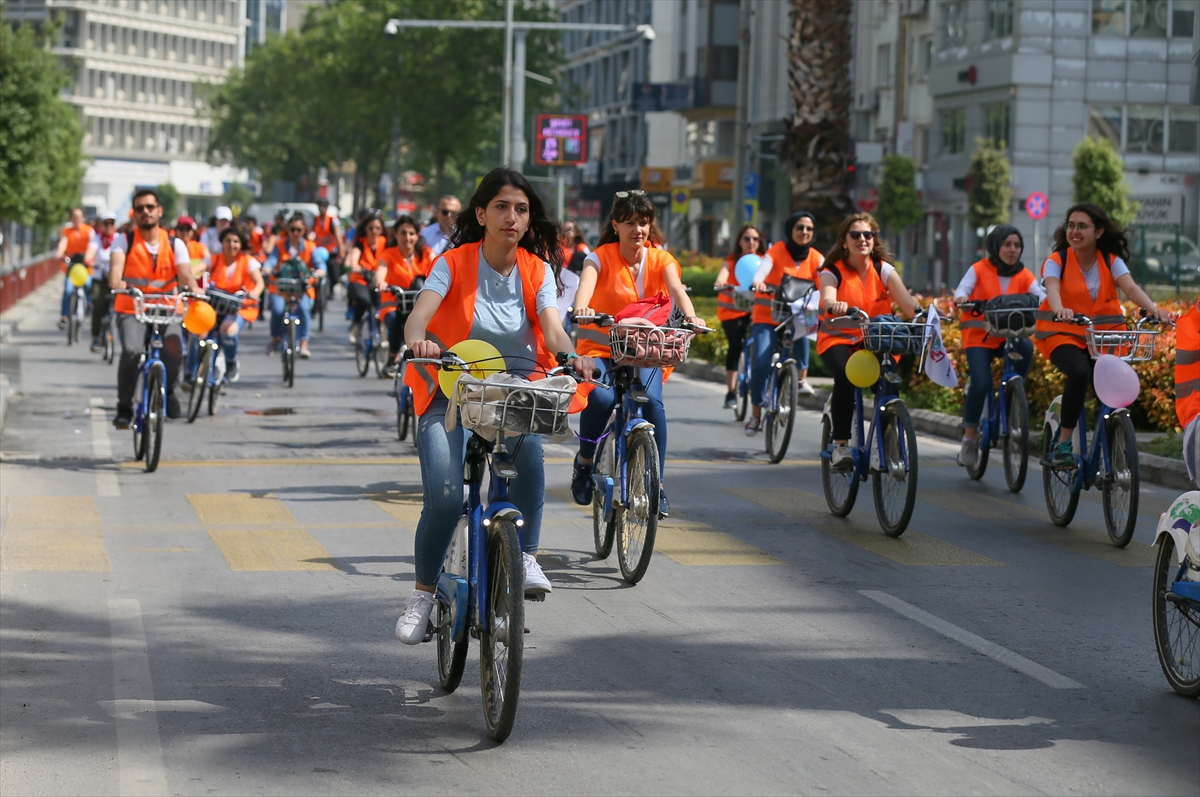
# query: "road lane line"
[403,506]
[977,643]
[259,534]
[693,544]
[60,532]
[139,748]
[107,485]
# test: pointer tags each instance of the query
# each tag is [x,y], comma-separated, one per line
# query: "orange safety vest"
[77,241]
[1187,365]
[146,272]
[455,316]
[987,286]
[305,255]
[323,232]
[616,290]
[1105,311]
[401,272]
[197,252]
[239,280]
[782,263]
[869,295]
[725,307]
[368,259]
[256,244]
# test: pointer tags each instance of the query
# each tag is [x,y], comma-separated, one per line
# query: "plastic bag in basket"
[655,309]
[512,404]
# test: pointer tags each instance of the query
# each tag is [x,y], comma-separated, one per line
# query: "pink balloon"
[1116,382]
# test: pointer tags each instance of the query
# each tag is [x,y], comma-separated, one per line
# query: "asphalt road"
[224,625]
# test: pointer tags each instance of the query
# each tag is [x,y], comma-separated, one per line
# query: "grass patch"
[1169,445]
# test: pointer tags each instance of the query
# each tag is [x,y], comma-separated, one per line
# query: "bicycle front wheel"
[214,395]
[110,340]
[895,482]
[975,472]
[362,353]
[779,430]
[1058,484]
[403,404]
[1120,487]
[289,355]
[451,655]
[1015,450]
[1176,625]
[840,486]
[637,521]
[743,387]
[196,397]
[155,410]
[72,321]
[502,641]
[603,531]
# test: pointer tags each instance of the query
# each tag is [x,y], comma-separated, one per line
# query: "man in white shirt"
[437,236]
[212,235]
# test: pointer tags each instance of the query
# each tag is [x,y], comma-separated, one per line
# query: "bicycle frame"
[627,418]
[1088,466]
[771,391]
[885,393]
[997,409]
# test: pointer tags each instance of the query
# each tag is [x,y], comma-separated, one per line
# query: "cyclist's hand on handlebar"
[839,308]
[722,286]
[1160,315]
[585,366]
[759,287]
[1065,314]
[695,321]
[425,349]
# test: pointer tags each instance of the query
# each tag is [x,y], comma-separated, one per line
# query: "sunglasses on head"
[627,194]
[866,235]
[144,208]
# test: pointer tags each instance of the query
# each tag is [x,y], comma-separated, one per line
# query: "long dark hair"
[623,209]
[879,252]
[419,249]
[540,239]
[369,215]
[1111,240]
[736,252]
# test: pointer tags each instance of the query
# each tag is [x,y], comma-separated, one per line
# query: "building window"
[925,54]
[1148,19]
[725,63]
[1108,17]
[1145,129]
[954,24]
[954,130]
[996,124]
[883,65]
[999,18]
[1183,16]
[1104,121]
[1183,130]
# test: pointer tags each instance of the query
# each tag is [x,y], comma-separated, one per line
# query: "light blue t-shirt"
[500,316]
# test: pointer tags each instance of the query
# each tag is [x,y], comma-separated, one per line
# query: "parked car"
[1160,257]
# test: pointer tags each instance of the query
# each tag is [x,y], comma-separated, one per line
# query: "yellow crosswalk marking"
[53,533]
[690,544]
[259,533]
[564,494]
[404,506]
[912,549]
[235,509]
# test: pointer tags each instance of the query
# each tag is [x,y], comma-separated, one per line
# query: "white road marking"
[106,481]
[977,643]
[139,750]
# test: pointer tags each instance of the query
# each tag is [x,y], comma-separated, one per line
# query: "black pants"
[133,336]
[362,299]
[395,331]
[735,335]
[842,405]
[100,308]
[1076,365]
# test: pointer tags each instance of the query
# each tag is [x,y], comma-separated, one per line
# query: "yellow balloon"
[484,360]
[78,275]
[862,369]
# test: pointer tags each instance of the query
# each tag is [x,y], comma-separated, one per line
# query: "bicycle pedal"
[536,597]
[429,632]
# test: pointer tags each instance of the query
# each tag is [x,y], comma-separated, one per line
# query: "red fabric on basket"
[655,309]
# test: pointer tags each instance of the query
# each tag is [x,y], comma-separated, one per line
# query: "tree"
[989,194]
[817,136]
[899,204]
[238,197]
[1100,179]
[41,142]
[168,197]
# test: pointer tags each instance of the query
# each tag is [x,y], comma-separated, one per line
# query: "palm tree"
[818,133]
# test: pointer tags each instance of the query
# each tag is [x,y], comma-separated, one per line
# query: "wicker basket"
[895,337]
[514,405]
[159,308]
[643,346]
[223,303]
[1131,345]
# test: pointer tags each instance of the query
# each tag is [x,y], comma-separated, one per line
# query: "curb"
[4,389]
[1159,470]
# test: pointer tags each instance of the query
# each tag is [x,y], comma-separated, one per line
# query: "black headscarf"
[995,240]
[797,251]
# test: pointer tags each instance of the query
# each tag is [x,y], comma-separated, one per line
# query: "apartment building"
[1036,76]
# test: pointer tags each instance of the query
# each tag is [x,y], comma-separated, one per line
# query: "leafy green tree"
[1100,179]
[168,197]
[989,196]
[899,204]
[238,197]
[41,141]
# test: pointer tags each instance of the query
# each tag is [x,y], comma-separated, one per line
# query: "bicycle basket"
[405,300]
[743,300]
[1131,345]
[223,303]
[886,336]
[1010,316]
[159,308]
[514,405]
[791,289]
[289,285]
[646,346]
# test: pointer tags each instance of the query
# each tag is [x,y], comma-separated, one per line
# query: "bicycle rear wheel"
[1057,484]
[196,397]
[451,655]
[894,484]
[743,387]
[840,486]
[502,641]
[110,339]
[319,305]
[214,395]
[362,352]
[975,472]
[155,410]
[1015,445]
[403,404]
[139,427]
[289,355]
[72,322]
[1176,625]
[637,521]
[603,531]
[779,430]
[1121,483]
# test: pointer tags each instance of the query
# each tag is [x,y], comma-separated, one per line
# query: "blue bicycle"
[1006,419]
[625,500]
[366,351]
[888,453]
[1113,460]
[292,290]
[157,314]
[210,368]
[481,589]
[405,301]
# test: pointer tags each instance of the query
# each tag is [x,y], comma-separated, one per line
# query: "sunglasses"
[627,194]
[144,208]
[802,228]
[749,237]
[446,212]
[296,229]
[866,235]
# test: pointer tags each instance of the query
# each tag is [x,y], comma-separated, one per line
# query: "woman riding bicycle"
[233,270]
[497,283]
[408,259]
[1001,273]
[735,322]
[362,263]
[294,246]
[856,275]
[1082,277]
[796,257]
[625,268]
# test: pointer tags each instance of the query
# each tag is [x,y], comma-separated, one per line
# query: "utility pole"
[742,140]
[506,127]
[517,156]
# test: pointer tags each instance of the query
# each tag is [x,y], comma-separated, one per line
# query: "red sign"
[1037,205]
[561,140]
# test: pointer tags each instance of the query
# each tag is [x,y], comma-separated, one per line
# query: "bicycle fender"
[505,511]
[452,591]
[1178,521]
[636,424]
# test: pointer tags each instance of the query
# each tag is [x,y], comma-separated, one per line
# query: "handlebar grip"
[596,373]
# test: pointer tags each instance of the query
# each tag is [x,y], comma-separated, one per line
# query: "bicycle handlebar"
[448,360]
[606,320]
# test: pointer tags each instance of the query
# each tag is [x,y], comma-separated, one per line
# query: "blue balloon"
[745,269]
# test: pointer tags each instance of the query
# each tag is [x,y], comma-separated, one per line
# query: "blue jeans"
[441,453]
[762,347]
[68,289]
[279,310]
[228,344]
[979,368]
[602,400]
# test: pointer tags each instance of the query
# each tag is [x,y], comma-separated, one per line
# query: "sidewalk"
[1159,470]
[41,300]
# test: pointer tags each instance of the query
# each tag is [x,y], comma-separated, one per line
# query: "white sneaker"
[412,625]
[535,579]
[968,455]
[353,336]
[804,388]
[842,459]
